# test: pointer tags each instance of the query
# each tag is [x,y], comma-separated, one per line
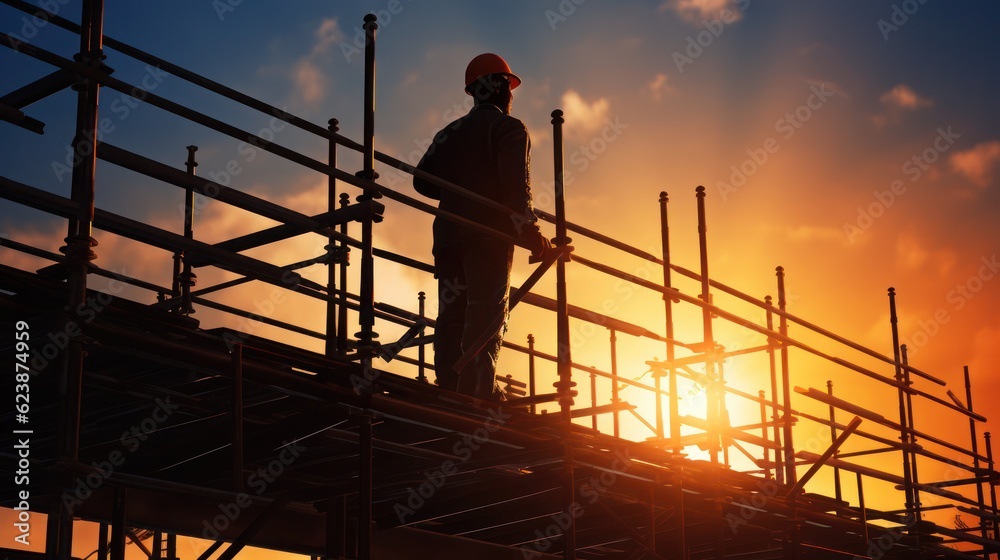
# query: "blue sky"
[834,99]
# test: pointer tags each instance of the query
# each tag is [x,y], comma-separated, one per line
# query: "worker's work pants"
[473,284]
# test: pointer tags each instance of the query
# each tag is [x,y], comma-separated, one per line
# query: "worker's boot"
[477,379]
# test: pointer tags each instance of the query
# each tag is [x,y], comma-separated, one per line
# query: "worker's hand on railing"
[533,240]
[538,255]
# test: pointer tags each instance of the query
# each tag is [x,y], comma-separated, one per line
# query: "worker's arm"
[514,162]
[428,163]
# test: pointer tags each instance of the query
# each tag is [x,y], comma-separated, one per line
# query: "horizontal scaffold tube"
[769,333]
[734,292]
[156,237]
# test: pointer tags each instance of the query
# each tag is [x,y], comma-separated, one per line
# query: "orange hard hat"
[486,64]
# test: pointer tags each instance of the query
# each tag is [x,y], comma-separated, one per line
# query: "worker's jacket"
[485,152]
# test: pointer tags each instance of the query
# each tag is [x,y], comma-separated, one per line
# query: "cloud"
[698,11]
[581,115]
[327,34]
[814,233]
[659,86]
[903,97]
[807,234]
[979,163]
[50,240]
[912,254]
[879,120]
[539,136]
[309,81]
[897,101]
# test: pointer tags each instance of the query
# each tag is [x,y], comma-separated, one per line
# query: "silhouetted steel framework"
[248,441]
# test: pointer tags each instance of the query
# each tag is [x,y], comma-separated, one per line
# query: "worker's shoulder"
[512,121]
[478,122]
[500,121]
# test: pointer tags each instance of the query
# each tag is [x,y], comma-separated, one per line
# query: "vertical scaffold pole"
[422,349]
[172,546]
[675,427]
[187,278]
[157,549]
[993,488]
[862,509]
[531,368]
[657,385]
[365,486]
[833,437]
[711,388]
[723,411]
[913,438]
[345,200]
[564,360]
[367,335]
[102,542]
[974,439]
[763,432]
[904,436]
[593,399]
[331,260]
[779,470]
[79,241]
[564,387]
[118,526]
[79,253]
[786,391]
[614,381]
[569,532]
[370,26]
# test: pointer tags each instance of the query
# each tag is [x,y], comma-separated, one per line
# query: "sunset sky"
[854,143]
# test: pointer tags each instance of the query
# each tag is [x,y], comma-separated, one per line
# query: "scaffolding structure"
[248,441]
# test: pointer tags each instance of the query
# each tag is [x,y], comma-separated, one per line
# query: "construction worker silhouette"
[486,152]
